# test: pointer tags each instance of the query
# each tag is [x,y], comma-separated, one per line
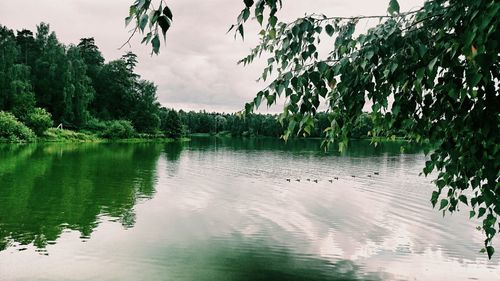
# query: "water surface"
[222,209]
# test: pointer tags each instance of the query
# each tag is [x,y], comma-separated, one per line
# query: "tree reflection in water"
[49,188]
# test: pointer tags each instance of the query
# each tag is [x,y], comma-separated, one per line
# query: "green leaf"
[463,198]
[393,7]
[369,54]
[167,12]
[257,100]
[156,44]
[147,38]
[260,18]
[420,74]
[432,63]
[474,80]
[472,214]
[422,49]
[329,29]
[128,20]
[270,100]
[435,196]
[164,24]
[248,3]
[322,66]
[444,203]
[482,211]
[248,107]
[490,250]
[272,33]
[272,21]
[154,16]
[246,14]
[144,22]
[394,66]
[241,30]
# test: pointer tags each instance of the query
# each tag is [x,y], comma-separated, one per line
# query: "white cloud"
[197,68]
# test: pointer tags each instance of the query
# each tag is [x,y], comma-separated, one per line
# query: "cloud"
[197,67]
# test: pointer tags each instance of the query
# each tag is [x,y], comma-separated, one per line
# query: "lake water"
[222,209]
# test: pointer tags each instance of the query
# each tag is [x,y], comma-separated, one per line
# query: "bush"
[12,130]
[39,120]
[95,125]
[119,129]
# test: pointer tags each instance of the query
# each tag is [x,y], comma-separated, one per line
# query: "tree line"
[267,125]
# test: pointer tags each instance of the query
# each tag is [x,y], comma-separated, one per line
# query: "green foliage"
[118,129]
[137,98]
[145,112]
[8,55]
[95,125]
[63,135]
[12,130]
[39,120]
[156,19]
[82,170]
[171,124]
[21,99]
[51,74]
[78,90]
[92,57]
[72,83]
[221,123]
[431,74]
[362,127]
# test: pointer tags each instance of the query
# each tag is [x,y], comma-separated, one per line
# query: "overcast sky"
[197,68]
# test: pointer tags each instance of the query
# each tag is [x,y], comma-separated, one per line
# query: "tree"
[78,90]
[92,56]
[16,94]
[145,113]
[8,55]
[431,73]
[170,123]
[130,60]
[50,73]
[114,91]
[220,123]
[27,47]
[21,100]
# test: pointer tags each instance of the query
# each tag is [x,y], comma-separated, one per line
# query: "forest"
[45,84]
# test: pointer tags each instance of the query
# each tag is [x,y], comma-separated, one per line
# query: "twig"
[130,38]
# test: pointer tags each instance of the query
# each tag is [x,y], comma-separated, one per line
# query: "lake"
[223,209]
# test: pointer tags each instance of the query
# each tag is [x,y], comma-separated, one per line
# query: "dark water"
[221,209]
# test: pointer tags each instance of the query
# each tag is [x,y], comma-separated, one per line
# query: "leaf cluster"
[432,74]
[150,21]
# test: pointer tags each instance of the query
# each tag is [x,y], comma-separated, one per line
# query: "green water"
[222,209]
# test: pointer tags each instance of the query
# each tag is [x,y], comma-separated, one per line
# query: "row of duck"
[330,180]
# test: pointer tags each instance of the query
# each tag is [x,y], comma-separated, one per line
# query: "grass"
[63,135]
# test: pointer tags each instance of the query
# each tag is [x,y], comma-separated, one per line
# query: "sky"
[197,67]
